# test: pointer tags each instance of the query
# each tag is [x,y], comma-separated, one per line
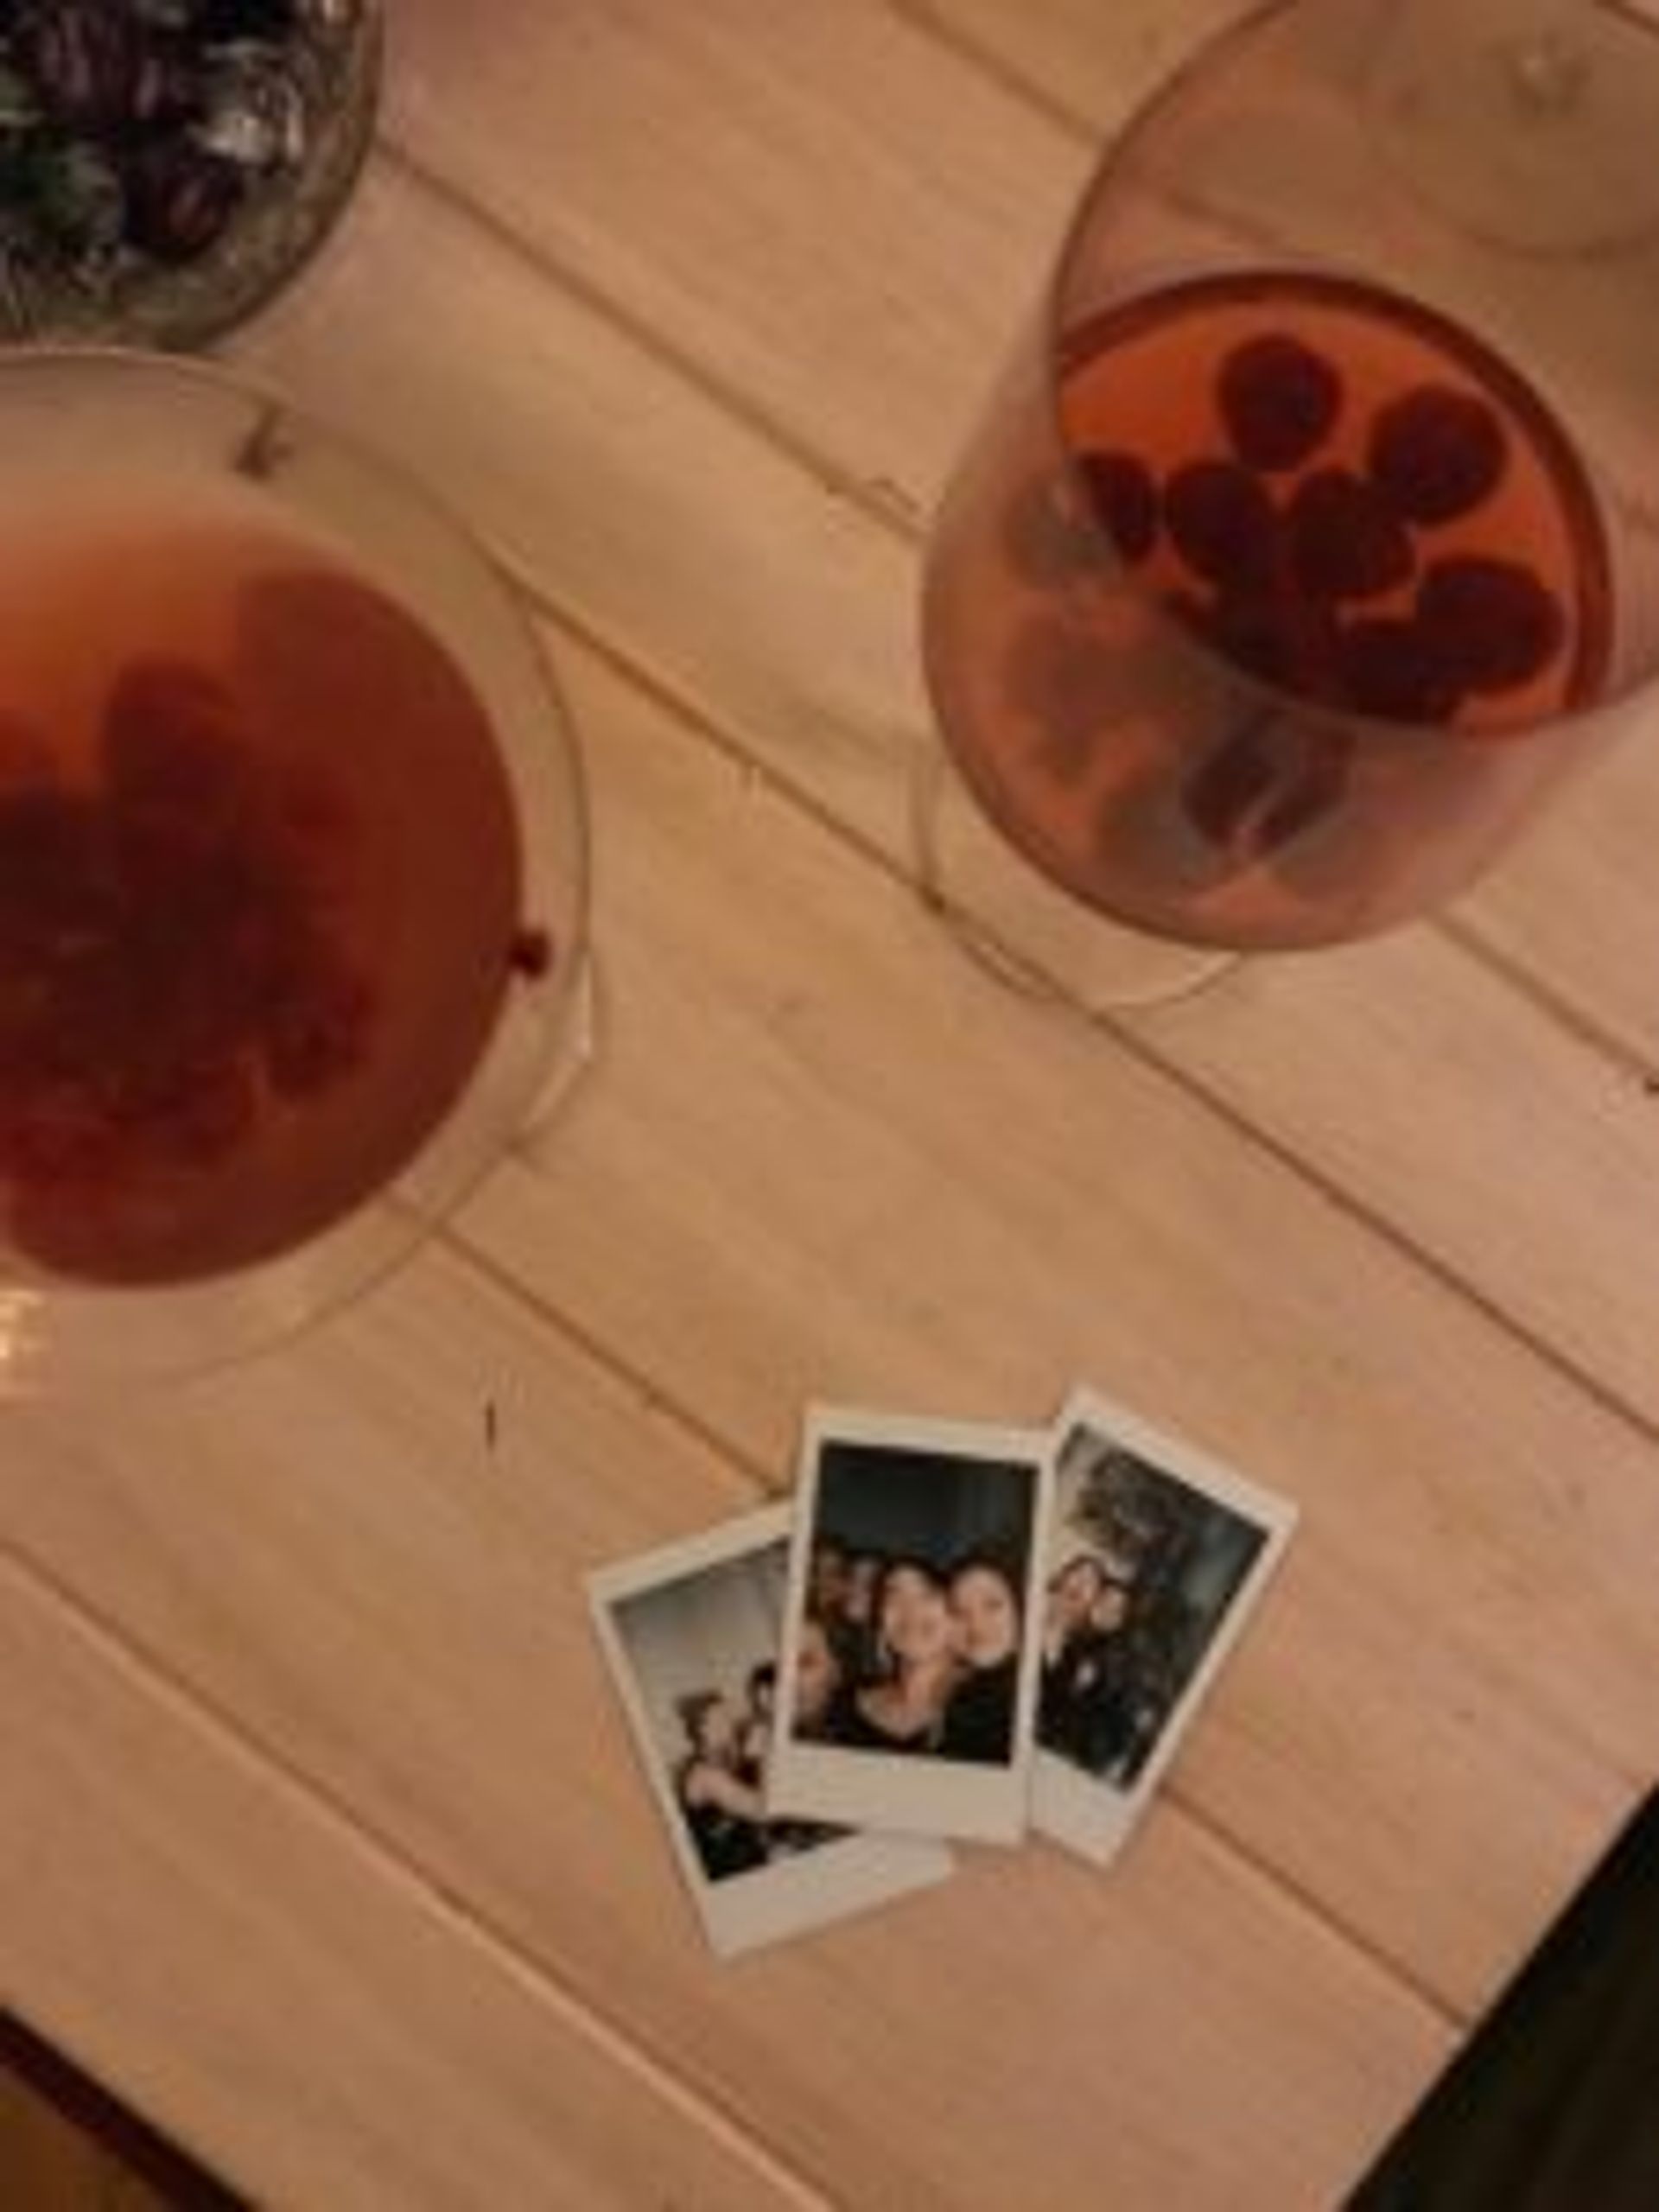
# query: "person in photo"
[826,1586]
[857,1635]
[1089,1710]
[821,1687]
[755,1730]
[979,1715]
[725,1814]
[902,1709]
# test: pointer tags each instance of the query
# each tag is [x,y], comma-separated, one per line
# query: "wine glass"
[293,869]
[1309,541]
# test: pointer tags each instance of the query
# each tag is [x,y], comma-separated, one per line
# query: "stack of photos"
[955,1632]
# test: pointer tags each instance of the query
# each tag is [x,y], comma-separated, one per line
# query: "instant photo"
[1155,1557]
[691,1637]
[912,1648]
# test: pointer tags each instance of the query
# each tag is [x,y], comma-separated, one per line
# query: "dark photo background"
[1186,1555]
[889,1500]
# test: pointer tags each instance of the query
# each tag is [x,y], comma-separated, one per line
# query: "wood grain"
[1571,912]
[763,150]
[808,661]
[1439,1717]
[1090,66]
[690,309]
[993,1205]
[396,1612]
[234,1961]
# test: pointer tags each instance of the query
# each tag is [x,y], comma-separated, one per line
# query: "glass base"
[1031,936]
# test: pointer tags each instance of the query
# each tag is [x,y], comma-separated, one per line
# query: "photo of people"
[1154,1557]
[692,1637]
[912,1631]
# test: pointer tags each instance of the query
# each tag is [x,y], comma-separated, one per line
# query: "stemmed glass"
[293,869]
[1311,539]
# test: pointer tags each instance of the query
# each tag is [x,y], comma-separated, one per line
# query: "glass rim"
[206,301]
[274,1301]
[1106,176]
[412,486]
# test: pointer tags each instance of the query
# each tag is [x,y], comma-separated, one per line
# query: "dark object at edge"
[1553,2106]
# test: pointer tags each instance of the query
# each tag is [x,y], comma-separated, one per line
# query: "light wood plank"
[1575,912]
[1570,907]
[1093,64]
[396,1609]
[1573,907]
[730,572]
[743,583]
[870,1175]
[825,211]
[823,1157]
[224,1955]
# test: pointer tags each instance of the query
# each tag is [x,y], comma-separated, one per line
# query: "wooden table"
[321,1840]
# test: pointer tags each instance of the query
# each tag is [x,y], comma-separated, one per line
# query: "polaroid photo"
[1156,1557]
[912,1638]
[691,1635]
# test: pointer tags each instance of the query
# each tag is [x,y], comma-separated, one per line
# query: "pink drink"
[1271,656]
[260,887]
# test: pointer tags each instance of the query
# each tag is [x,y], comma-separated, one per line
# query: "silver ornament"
[256,113]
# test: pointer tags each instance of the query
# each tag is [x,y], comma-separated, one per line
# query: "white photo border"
[1091,1817]
[893,1792]
[790,1895]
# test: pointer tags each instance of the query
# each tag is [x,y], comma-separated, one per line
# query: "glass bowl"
[294,869]
[159,184]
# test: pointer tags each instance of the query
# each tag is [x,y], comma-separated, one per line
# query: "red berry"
[1223,525]
[195,1115]
[1388,668]
[1438,453]
[1125,497]
[1346,541]
[54,861]
[26,762]
[1279,638]
[59,1134]
[171,739]
[1490,625]
[318,1035]
[1278,399]
[533,955]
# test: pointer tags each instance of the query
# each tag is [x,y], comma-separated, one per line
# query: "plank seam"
[887,508]
[1292,1894]
[146,1672]
[921,16]
[873,497]
[702,724]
